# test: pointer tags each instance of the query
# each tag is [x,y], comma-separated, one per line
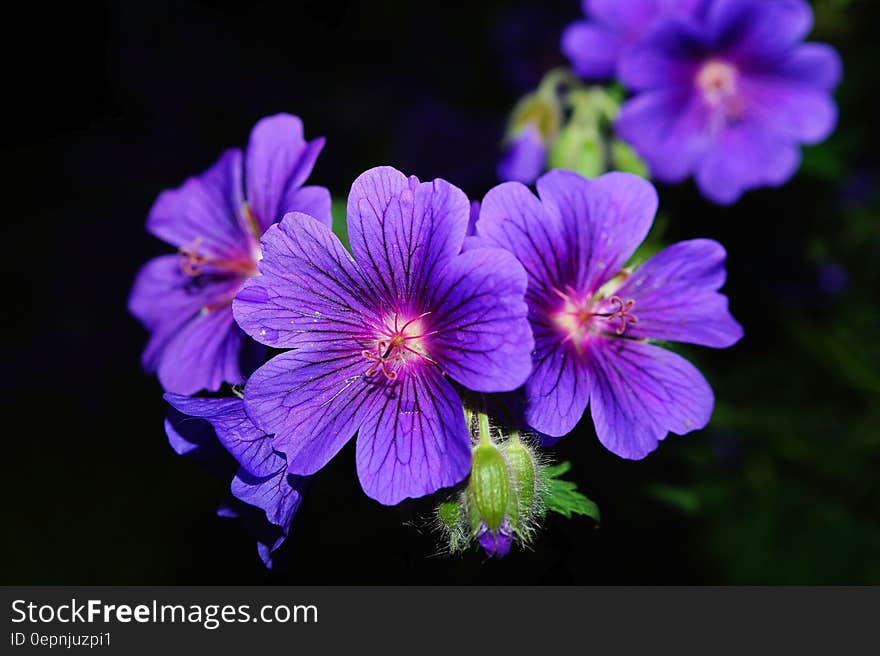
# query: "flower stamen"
[192,262]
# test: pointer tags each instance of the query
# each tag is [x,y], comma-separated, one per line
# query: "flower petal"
[677,299]
[310,291]
[512,218]
[415,440]
[480,316]
[278,161]
[525,157]
[188,436]
[205,212]
[634,17]
[790,109]
[250,446]
[312,401]
[642,392]
[604,220]
[744,156]
[757,30]
[815,65]
[559,388]
[170,304]
[278,494]
[668,56]
[314,201]
[202,354]
[670,129]
[593,49]
[401,231]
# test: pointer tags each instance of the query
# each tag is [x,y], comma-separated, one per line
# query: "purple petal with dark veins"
[604,220]
[478,311]
[677,299]
[249,445]
[512,218]
[558,390]
[415,440]
[401,231]
[312,401]
[310,292]
[642,392]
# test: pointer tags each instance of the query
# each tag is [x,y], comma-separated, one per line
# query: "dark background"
[108,104]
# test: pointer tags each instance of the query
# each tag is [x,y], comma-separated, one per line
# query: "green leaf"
[562,497]
[340,226]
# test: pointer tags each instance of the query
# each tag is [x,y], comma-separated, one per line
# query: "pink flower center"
[581,315]
[398,342]
[718,82]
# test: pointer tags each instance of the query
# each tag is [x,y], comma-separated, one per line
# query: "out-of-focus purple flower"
[261,482]
[496,544]
[596,45]
[216,220]
[378,337]
[729,96]
[525,158]
[592,318]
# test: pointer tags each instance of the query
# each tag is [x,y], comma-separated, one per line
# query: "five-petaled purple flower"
[378,338]
[729,94]
[261,483]
[595,46]
[216,221]
[592,318]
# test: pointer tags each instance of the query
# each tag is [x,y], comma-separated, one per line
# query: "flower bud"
[523,470]
[489,489]
[502,498]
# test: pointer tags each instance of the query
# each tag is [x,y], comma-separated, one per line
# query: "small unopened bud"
[542,111]
[489,488]
[502,499]
[523,469]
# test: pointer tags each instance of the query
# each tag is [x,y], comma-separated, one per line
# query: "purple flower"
[378,338]
[261,482]
[592,318]
[525,157]
[729,96]
[596,45]
[216,220]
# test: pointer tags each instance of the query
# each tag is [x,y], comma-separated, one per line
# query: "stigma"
[395,343]
[194,263]
[580,316]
